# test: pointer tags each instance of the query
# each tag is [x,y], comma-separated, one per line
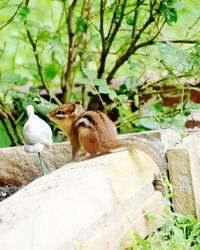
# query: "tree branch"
[9,20]
[67,71]
[106,43]
[151,42]
[134,46]
[40,71]
[131,49]
[135,19]
[116,28]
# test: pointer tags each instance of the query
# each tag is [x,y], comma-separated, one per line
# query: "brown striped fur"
[93,131]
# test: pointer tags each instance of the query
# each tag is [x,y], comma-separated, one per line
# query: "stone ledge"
[20,168]
[90,203]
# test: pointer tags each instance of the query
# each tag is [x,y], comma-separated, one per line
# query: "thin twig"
[9,20]
[67,71]
[107,42]
[135,19]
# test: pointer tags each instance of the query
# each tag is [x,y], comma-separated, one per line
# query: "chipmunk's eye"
[60,112]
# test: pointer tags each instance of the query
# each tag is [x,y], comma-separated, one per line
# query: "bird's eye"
[60,112]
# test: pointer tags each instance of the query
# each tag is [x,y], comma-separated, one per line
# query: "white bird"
[37,134]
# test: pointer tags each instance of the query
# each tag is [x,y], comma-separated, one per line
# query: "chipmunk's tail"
[142,145]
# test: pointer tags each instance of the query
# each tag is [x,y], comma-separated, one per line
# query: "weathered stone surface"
[192,145]
[184,171]
[181,179]
[158,140]
[18,167]
[164,139]
[93,203]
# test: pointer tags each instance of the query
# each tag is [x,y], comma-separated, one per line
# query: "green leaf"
[131,83]
[172,17]
[22,81]
[130,20]
[93,91]
[34,90]
[24,11]
[90,74]
[83,81]
[56,44]
[158,106]
[9,77]
[45,33]
[100,82]
[112,95]
[104,89]
[81,25]
[51,70]
[168,9]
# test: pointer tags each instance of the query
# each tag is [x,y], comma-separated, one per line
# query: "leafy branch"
[132,47]
[68,70]
[114,27]
[12,17]
[33,44]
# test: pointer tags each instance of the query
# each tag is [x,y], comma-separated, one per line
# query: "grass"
[174,232]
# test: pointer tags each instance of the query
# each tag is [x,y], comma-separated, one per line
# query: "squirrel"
[93,131]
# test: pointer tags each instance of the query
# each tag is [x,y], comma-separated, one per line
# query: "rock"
[184,173]
[180,177]
[159,140]
[19,168]
[93,204]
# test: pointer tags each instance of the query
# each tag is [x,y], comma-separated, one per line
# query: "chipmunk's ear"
[72,108]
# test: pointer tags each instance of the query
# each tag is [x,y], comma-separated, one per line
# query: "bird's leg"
[41,164]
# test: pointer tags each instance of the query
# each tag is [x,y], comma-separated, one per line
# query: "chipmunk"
[93,131]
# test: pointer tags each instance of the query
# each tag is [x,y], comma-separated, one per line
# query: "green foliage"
[174,231]
[76,48]
[168,9]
